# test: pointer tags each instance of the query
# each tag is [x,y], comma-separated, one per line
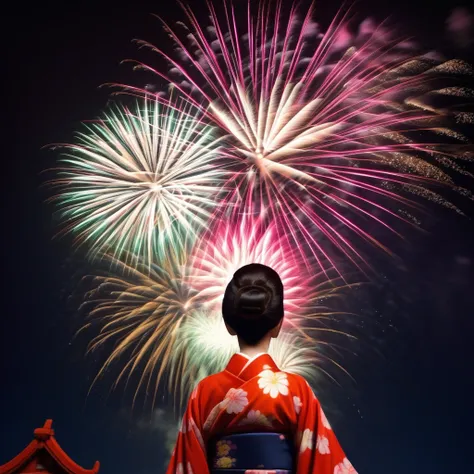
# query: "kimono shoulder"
[211,390]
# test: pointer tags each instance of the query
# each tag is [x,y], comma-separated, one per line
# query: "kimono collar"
[245,368]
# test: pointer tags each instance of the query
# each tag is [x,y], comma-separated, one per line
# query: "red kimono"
[253,395]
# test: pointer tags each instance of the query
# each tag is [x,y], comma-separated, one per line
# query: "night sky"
[410,409]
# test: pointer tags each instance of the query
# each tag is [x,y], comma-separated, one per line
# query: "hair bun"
[253,299]
[253,302]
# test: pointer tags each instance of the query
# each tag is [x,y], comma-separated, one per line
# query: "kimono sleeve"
[318,450]
[189,455]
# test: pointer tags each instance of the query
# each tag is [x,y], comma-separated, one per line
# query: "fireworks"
[287,144]
[154,318]
[230,245]
[167,319]
[209,347]
[141,183]
[320,125]
[139,310]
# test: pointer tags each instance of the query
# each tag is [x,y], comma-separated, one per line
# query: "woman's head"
[253,302]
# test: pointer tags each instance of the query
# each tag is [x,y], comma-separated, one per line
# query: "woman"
[251,417]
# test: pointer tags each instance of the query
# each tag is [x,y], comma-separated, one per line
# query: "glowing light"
[231,244]
[325,116]
[165,326]
[141,181]
[139,309]
[209,347]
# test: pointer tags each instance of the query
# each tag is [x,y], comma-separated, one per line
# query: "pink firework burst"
[232,244]
[320,125]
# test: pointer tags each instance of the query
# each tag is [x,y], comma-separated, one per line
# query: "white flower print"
[266,367]
[190,425]
[179,469]
[212,417]
[273,383]
[298,404]
[325,420]
[255,417]
[189,469]
[306,440]
[182,428]
[345,467]
[322,445]
[193,427]
[235,401]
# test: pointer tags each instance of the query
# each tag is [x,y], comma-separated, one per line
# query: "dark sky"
[411,409]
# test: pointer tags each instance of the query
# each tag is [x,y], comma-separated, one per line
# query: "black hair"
[253,302]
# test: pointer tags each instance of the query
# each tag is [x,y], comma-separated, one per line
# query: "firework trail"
[208,347]
[168,324]
[230,244]
[288,143]
[321,125]
[139,309]
[140,182]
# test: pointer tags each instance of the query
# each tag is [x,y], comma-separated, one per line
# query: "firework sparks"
[209,347]
[319,146]
[308,291]
[139,311]
[141,182]
[319,124]
[230,244]
[168,324]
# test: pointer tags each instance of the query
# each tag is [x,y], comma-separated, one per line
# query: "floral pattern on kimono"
[345,467]
[256,418]
[255,396]
[224,455]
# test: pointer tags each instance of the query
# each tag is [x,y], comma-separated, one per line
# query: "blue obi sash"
[237,453]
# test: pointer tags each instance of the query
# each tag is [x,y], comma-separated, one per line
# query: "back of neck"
[253,350]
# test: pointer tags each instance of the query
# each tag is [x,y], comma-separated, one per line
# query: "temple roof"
[44,439]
